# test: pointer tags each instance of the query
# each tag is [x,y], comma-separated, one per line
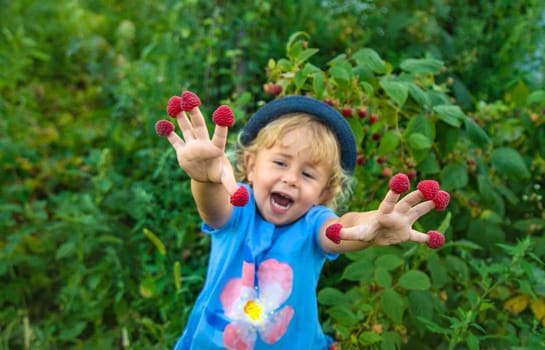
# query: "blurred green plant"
[100,245]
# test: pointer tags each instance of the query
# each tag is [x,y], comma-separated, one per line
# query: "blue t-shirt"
[260,288]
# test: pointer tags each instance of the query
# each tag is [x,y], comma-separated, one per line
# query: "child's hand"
[202,158]
[392,222]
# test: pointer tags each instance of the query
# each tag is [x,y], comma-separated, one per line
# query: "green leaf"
[368,88]
[330,296]
[73,330]
[383,278]
[339,73]
[305,55]
[420,124]
[445,223]
[414,280]
[452,115]
[476,134]
[485,189]
[429,165]
[368,338]
[418,95]
[177,275]
[392,305]
[343,314]
[388,143]
[396,90]
[447,138]
[294,38]
[391,341]
[356,127]
[454,176]
[370,58]
[389,262]
[509,162]
[420,304]
[299,79]
[358,271]
[155,240]
[422,66]
[66,249]
[418,141]
[318,84]
[536,98]
[472,342]
[438,273]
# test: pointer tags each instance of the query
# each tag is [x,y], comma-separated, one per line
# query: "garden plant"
[100,243]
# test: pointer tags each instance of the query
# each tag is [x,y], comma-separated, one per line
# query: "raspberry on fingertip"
[333,232]
[399,183]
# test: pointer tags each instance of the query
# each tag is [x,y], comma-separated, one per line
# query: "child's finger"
[219,139]
[419,210]
[175,140]
[223,117]
[228,180]
[198,124]
[336,233]
[418,237]
[409,201]
[185,126]
[389,202]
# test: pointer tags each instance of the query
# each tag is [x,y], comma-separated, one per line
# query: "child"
[295,157]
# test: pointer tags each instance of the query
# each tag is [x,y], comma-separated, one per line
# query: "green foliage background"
[99,239]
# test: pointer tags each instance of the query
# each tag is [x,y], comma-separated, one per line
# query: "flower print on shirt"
[256,309]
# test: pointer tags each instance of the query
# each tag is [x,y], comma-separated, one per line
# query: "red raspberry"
[163,127]
[223,116]
[373,118]
[362,113]
[273,89]
[347,112]
[240,197]
[189,101]
[174,106]
[441,200]
[333,232]
[435,239]
[399,183]
[428,188]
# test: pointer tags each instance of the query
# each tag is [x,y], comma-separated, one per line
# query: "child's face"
[285,182]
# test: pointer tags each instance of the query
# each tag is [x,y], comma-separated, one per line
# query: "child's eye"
[308,175]
[279,162]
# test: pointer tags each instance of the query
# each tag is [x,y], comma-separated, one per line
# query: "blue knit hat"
[303,104]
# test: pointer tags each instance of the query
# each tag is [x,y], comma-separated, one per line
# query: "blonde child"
[295,157]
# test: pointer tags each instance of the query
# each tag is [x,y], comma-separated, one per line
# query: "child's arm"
[204,160]
[390,224]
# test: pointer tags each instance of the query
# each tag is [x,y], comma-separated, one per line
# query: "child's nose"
[290,178]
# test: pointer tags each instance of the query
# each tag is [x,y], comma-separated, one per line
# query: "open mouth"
[281,201]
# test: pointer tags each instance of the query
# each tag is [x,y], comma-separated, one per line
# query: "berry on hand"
[174,106]
[223,116]
[189,101]
[240,197]
[399,183]
[441,200]
[333,232]
[435,239]
[428,188]
[164,127]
